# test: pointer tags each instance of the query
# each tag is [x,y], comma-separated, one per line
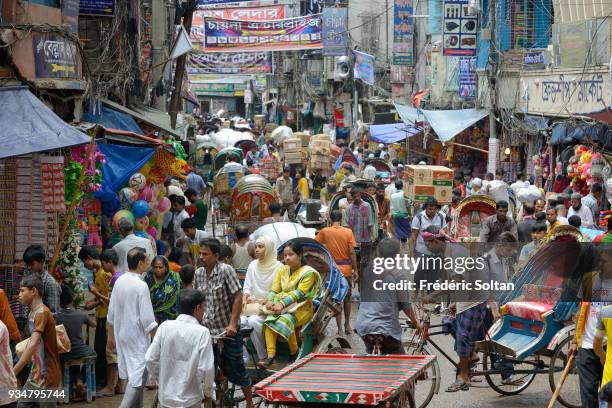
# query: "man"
[384,209]
[581,210]
[35,257]
[349,176]
[341,243]
[284,189]
[178,215]
[496,224]
[222,306]
[400,224]
[328,191]
[347,200]
[275,209]
[552,218]
[540,205]
[196,183]
[477,187]
[524,227]
[597,288]
[358,217]
[130,241]
[369,172]
[190,243]
[538,232]
[131,323]
[467,181]
[181,355]
[381,314]
[561,213]
[593,200]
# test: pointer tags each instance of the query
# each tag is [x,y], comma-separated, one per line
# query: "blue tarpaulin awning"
[446,123]
[113,119]
[29,126]
[567,133]
[392,132]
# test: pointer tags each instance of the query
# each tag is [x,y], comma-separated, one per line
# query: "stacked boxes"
[422,182]
[292,149]
[320,152]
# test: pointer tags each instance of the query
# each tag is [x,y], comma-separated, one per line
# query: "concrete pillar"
[159,33]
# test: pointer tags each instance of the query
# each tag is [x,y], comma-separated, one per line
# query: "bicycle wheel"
[519,382]
[428,383]
[570,393]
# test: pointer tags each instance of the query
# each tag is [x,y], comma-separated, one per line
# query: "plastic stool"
[90,376]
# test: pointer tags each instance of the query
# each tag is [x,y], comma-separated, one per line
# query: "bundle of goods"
[580,168]
[320,152]
[304,137]
[422,182]
[293,150]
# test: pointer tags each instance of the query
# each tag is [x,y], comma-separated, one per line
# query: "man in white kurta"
[181,356]
[131,323]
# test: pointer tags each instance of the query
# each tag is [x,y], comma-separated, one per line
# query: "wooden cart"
[341,380]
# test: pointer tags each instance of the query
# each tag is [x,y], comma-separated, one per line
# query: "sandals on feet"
[266,362]
[458,385]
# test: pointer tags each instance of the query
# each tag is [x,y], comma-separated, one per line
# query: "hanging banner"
[335,31]
[403,31]
[301,33]
[459,28]
[213,2]
[230,63]
[54,56]
[247,13]
[467,77]
[365,67]
[104,8]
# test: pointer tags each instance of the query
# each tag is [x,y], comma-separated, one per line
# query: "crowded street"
[305,203]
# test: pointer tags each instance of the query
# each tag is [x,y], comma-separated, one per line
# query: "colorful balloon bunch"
[579,168]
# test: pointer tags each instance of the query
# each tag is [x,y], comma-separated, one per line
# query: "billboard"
[335,31]
[459,28]
[230,63]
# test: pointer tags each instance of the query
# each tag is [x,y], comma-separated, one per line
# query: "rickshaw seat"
[527,310]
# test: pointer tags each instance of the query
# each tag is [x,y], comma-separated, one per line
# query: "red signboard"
[244,13]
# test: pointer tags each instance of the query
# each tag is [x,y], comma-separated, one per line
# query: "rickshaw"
[346,158]
[382,169]
[224,183]
[469,216]
[334,204]
[222,155]
[311,337]
[537,317]
[251,198]
[246,145]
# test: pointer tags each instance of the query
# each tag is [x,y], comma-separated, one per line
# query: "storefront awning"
[148,115]
[567,133]
[29,126]
[112,119]
[391,133]
[446,123]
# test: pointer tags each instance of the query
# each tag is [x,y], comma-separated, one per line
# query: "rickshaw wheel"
[429,383]
[557,364]
[495,380]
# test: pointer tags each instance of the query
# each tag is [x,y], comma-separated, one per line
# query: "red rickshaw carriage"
[469,216]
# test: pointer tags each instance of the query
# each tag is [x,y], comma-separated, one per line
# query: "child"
[187,273]
[101,290]
[190,242]
[34,257]
[41,349]
[109,261]
[198,209]
[74,320]
[7,377]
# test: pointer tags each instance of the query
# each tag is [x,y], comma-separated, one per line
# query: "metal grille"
[524,24]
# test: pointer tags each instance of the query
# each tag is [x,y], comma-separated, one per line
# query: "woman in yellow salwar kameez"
[294,283]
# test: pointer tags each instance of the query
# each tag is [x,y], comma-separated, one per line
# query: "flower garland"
[67,267]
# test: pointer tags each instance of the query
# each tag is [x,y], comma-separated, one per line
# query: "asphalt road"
[480,395]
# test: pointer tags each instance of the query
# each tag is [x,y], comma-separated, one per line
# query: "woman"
[164,286]
[295,284]
[303,185]
[257,284]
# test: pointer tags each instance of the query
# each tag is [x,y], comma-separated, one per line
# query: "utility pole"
[493,142]
[180,67]
[159,23]
[387,30]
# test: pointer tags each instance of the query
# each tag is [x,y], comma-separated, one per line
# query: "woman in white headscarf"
[258,281]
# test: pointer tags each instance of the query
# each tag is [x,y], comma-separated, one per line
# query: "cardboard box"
[444,195]
[320,162]
[293,156]
[293,144]
[429,175]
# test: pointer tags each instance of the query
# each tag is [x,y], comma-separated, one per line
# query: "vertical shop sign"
[335,31]
[467,77]
[459,28]
[403,31]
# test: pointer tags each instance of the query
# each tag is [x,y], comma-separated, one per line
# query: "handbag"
[63,342]
[292,308]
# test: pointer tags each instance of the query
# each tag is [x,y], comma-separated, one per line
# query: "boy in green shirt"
[198,209]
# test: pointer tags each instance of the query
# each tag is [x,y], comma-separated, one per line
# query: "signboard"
[564,94]
[335,31]
[70,15]
[207,89]
[230,63]
[300,33]
[365,67]
[534,60]
[250,13]
[403,31]
[459,28]
[105,8]
[54,56]
[467,77]
[205,3]
[574,41]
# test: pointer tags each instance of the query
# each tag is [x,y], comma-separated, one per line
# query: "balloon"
[128,195]
[152,231]
[146,194]
[142,223]
[122,214]
[164,205]
[137,181]
[140,208]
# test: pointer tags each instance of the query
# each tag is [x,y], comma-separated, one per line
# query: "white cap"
[477,182]
[355,152]
[400,166]
[371,156]
[380,146]
[422,163]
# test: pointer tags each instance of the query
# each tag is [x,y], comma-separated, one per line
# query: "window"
[523,24]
